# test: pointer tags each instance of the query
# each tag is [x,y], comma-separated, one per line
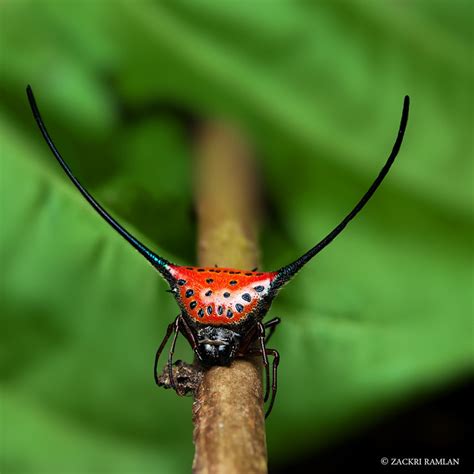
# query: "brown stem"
[229,425]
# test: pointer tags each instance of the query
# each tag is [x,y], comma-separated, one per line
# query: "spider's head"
[217,345]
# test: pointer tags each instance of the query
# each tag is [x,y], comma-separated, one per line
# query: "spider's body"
[222,309]
[221,296]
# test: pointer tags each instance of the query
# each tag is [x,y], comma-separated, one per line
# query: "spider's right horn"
[287,272]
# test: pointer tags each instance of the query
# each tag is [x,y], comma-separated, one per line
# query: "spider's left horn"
[287,272]
[162,265]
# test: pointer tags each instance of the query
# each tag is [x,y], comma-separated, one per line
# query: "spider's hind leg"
[276,360]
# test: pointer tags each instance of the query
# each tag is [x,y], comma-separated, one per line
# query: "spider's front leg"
[184,378]
[171,327]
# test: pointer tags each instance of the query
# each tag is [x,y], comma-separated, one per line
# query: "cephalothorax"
[222,309]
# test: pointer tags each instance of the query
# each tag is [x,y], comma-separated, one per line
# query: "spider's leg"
[169,330]
[261,341]
[171,352]
[276,361]
[272,324]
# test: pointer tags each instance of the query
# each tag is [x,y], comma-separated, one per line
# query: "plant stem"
[229,425]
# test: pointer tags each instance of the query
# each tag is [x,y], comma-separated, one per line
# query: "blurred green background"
[381,318]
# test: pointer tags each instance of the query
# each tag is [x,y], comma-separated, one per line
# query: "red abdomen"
[219,296]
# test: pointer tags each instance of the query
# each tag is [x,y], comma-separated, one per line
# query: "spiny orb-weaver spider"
[222,309]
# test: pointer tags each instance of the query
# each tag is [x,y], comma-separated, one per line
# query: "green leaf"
[72,353]
[382,316]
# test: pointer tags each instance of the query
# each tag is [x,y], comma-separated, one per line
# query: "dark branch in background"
[229,426]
